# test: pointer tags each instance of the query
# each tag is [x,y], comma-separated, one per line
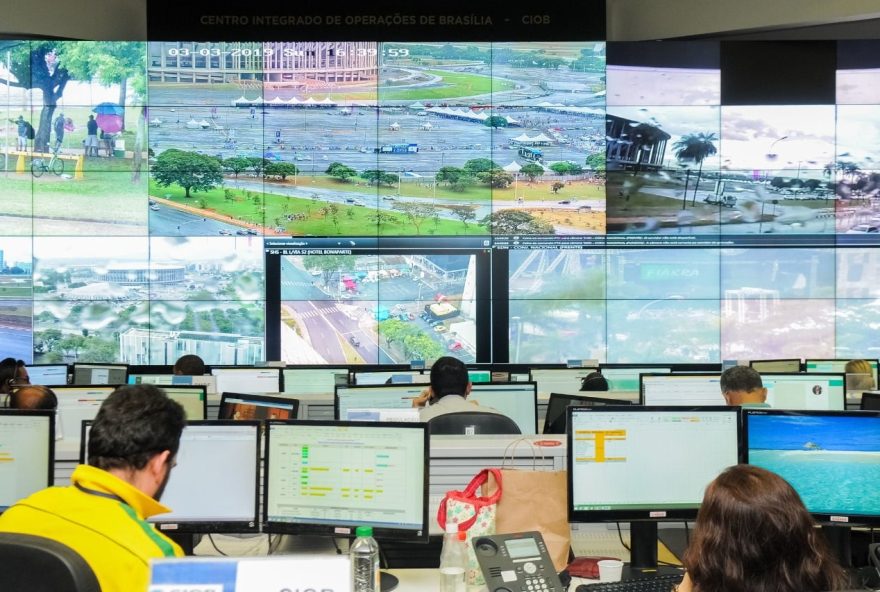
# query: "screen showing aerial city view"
[166,197]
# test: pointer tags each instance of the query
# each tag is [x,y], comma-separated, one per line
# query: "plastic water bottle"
[453,560]
[364,553]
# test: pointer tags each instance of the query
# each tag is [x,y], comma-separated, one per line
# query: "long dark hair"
[754,534]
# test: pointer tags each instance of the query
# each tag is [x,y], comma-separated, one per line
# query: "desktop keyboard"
[658,583]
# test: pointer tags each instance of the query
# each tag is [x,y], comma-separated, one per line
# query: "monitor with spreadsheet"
[805,391]
[214,487]
[327,478]
[242,406]
[379,414]
[517,400]
[75,405]
[100,374]
[193,398]
[681,389]
[558,380]
[206,380]
[625,378]
[831,458]
[816,365]
[312,381]
[646,464]
[555,417]
[391,377]
[247,380]
[48,374]
[27,450]
[788,365]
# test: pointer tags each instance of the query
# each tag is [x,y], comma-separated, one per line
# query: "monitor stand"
[643,553]
[387,581]
[839,539]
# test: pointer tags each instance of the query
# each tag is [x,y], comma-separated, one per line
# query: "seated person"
[742,386]
[33,396]
[594,381]
[859,376]
[102,515]
[450,386]
[189,365]
[12,373]
[754,533]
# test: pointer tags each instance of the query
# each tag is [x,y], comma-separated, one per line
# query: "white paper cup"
[610,570]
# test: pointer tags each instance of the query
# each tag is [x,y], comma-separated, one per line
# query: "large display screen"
[363,202]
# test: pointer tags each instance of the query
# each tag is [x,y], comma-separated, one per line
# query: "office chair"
[870,402]
[38,564]
[472,422]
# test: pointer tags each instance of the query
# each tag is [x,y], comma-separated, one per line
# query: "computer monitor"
[215,485]
[243,406]
[625,378]
[312,381]
[48,374]
[376,414]
[247,380]
[27,452]
[89,374]
[479,376]
[75,405]
[805,391]
[391,377]
[831,458]
[839,365]
[327,478]
[681,389]
[517,400]
[558,380]
[556,417]
[789,365]
[193,398]
[646,464]
[870,402]
[206,380]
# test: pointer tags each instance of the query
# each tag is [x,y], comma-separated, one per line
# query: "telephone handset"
[514,562]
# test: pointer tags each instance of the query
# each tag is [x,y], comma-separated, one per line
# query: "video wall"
[361,202]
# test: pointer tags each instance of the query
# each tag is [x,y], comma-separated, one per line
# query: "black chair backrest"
[472,422]
[871,401]
[38,564]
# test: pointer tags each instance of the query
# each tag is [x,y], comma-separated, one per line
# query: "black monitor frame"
[224,401]
[66,374]
[873,401]
[799,362]
[50,465]
[77,365]
[643,522]
[331,530]
[671,374]
[841,375]
[190,387]
[574,401]
[244,527]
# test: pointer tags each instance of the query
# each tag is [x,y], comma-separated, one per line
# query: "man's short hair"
[740,379]
[33,396]
[449,376]
[134,424]
[8,373]
[594,381]
[189,365]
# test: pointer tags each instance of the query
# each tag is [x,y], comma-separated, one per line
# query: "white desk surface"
[428,580]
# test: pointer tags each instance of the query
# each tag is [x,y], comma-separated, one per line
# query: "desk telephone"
[516,563]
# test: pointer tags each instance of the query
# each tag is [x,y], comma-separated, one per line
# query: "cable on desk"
[620,536]
[687,535]
[336,544]
[273,545]
[216,548]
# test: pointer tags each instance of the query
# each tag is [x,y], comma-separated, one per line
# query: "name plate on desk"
[255,574]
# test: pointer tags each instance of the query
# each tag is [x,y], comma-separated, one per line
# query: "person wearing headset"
[450,387]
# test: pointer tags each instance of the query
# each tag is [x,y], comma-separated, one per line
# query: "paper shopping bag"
[474,514]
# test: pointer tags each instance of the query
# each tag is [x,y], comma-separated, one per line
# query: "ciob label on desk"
[264,574]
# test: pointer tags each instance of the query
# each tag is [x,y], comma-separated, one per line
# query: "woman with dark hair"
[754,534]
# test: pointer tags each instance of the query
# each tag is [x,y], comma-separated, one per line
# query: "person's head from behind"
[136,435]
[189,365]
[449,376]
[859,375]
[594,381]
[742,384]
[754,533]
[33,396]
[8,375]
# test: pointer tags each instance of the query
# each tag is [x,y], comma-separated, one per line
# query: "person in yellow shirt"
[103,514]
